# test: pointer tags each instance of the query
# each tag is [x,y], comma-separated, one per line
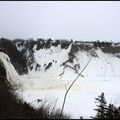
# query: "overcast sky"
[79,20]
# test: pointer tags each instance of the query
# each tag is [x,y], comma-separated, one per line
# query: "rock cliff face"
[16,57]
[45,55]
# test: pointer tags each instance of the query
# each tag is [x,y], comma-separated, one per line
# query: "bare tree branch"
[72,85]
[54,107]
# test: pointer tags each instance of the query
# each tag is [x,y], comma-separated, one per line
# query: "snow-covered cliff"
[66,59]
[46,67]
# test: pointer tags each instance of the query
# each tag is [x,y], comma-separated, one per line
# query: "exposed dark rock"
[48,66]
[16,57]
[37,67]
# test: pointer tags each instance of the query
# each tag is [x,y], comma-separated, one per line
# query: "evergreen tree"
[113,112]
[102,107]
[106,112]
[110,111]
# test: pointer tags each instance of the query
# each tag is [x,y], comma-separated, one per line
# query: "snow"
[56,54]
[80,100]
[101,75]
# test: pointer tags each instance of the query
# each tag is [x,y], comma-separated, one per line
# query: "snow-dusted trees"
[104,111]
[101,107]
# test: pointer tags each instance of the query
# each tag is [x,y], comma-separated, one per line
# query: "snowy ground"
[80,100]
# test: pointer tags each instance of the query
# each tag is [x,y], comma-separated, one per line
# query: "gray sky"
[79,20]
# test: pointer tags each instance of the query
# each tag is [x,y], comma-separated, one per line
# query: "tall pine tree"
[101,107]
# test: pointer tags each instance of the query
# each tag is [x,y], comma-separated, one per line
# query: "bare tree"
[67,90]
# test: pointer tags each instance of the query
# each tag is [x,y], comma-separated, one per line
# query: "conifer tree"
[101,107]
[110,111]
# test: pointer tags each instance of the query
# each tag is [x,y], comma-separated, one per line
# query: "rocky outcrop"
[16,57]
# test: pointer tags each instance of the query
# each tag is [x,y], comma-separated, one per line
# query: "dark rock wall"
[16,57]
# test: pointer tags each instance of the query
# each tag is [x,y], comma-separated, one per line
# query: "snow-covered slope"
[68,62]
[53,65]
